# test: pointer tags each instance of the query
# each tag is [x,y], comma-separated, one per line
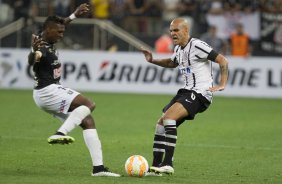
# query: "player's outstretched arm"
[80,10]
[223,65]
[36,43]
[167,63]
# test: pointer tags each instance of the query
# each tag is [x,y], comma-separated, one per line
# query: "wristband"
[72,16]
[32,50]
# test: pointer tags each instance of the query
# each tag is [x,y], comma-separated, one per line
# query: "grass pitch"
[237,140]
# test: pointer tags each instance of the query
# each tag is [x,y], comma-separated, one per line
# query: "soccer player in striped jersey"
[194,59]
[66,104]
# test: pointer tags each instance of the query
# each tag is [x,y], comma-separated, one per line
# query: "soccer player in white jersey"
[194,59]
[68,105]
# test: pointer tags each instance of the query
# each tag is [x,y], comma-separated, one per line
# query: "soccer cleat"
[153,173]
[167,169]
[60,139]
[105,173]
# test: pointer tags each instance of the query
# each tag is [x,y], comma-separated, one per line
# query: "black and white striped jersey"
[195,66]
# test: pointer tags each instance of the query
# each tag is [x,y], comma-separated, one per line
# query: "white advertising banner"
[130,73]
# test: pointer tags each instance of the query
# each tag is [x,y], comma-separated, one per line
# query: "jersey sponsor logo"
[185,70]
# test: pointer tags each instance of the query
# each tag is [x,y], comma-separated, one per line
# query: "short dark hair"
[53,19]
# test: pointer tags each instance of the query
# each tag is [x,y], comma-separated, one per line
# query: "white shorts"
[55,99]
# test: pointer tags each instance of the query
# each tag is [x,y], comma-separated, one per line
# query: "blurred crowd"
[142,17]
[122,11]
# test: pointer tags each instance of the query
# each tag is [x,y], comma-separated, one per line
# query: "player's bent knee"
[87,123]
[92,106]
[165,117]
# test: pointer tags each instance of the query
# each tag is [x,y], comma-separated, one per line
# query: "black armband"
[212,55]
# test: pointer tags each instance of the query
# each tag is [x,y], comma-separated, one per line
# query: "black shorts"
[193,102]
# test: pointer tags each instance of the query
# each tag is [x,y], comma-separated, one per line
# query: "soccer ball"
[136,165]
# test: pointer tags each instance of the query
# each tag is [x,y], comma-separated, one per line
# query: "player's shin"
[170,139]
[93,144]
[159,145]
[75,118]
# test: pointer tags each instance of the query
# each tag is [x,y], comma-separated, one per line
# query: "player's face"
[55,32]
[179,33]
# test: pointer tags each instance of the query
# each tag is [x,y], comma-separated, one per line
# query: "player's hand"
[148,54]
[36,42]
[216,88]
[83,8]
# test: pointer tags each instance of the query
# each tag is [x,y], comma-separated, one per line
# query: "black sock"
[158,158]
[170,139]
[59,133]
[158,149]
[98,168]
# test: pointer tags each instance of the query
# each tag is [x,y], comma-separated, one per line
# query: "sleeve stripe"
[198,57]
[202,49]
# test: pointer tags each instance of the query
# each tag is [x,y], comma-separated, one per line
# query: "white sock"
[94,146]
[74,119]
[160,130]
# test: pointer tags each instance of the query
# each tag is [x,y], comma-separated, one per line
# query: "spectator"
[216,7]
[63,7]
[136,21]
[118,9]
[21,8]
[249,6]
[272,6]
[232,5]
[170,9]
[42,8]
[187,9]
[100,9]
[6,13]
[240,42]
[214,41]
[154,11]
[164,44]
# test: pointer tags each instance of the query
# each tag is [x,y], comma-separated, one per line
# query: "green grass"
[237,140]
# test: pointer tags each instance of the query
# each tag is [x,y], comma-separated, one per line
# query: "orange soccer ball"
[136,165]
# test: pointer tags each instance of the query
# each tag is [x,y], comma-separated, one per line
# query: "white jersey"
[194,66]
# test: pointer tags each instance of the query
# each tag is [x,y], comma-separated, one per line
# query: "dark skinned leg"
[88,122]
